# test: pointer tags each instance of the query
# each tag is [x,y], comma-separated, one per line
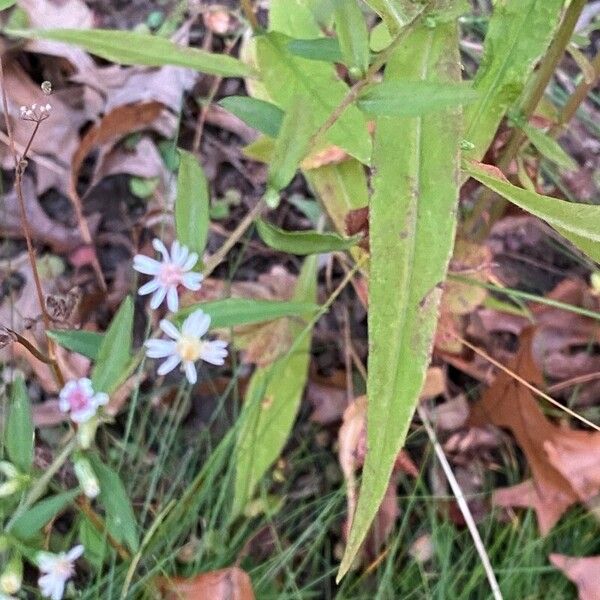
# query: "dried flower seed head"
[46,87]
[36,112]
[61,307]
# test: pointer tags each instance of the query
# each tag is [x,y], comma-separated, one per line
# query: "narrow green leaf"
[395,13]
[302,242]
[19,432]
[95,543]
[29,523]
[84,342]
[263,116]
[4,4]
[115,352]
[136,48]
[192,204]
[232,312]
[353,34]
[120,518]
[548,147]
[285,76]
[291,145]
[579,223]
[272,402]
[517,37]
[323,49]
[412,219]
[414,98]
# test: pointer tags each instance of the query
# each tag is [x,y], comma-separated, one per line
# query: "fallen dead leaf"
[43,229]
[583,572]
[351,456]
[564,463]
[226,584]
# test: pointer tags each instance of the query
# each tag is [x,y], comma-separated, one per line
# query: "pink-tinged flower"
[186,346]
[173,270]
[57,569]
[79,399]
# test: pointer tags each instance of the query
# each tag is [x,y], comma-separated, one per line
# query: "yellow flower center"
[189,348]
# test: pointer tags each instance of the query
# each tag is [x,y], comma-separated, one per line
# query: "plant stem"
[218,257]
[20,165]
[373,70]
[96,520]
[490,207]
[39,487]
[577,97]
[250,15]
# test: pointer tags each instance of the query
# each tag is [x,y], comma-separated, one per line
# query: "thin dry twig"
[20,166]
[462,504]
[526,383]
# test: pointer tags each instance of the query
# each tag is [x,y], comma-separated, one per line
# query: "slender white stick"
[462,504]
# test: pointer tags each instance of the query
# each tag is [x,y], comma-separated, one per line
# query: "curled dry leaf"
[564,463]
[43,229]
[226,584]
[351,455]
[583,572]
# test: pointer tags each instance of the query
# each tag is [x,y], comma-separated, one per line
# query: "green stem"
[491,207]
[38,489]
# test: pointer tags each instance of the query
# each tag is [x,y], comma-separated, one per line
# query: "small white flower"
[79,399]
[57,569]
[186,346]
[173,270]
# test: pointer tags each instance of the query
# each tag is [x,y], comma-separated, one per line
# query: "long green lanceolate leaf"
[412,226]
[579,223]
[135,48]
[303,242]
[272,401]
[18,429]
[192,204]
[114,353]
[518,34]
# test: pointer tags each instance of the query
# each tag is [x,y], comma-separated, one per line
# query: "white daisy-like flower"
[173,270]
[57,569]
[79,399]
[186,346]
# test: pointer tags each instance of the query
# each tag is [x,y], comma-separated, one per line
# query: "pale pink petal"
[190,262]
[75,552]
[169,329]
[84,414]
[159,348]
[146,265]
[192,281]
[190,372]
[149,287]
[100,399]
[158,297]
[196,324]
[160,247]
[169,364]
[172,299]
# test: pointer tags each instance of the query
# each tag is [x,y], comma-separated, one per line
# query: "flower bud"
[13,482]
[12,576]
[86,432]
[86,477]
